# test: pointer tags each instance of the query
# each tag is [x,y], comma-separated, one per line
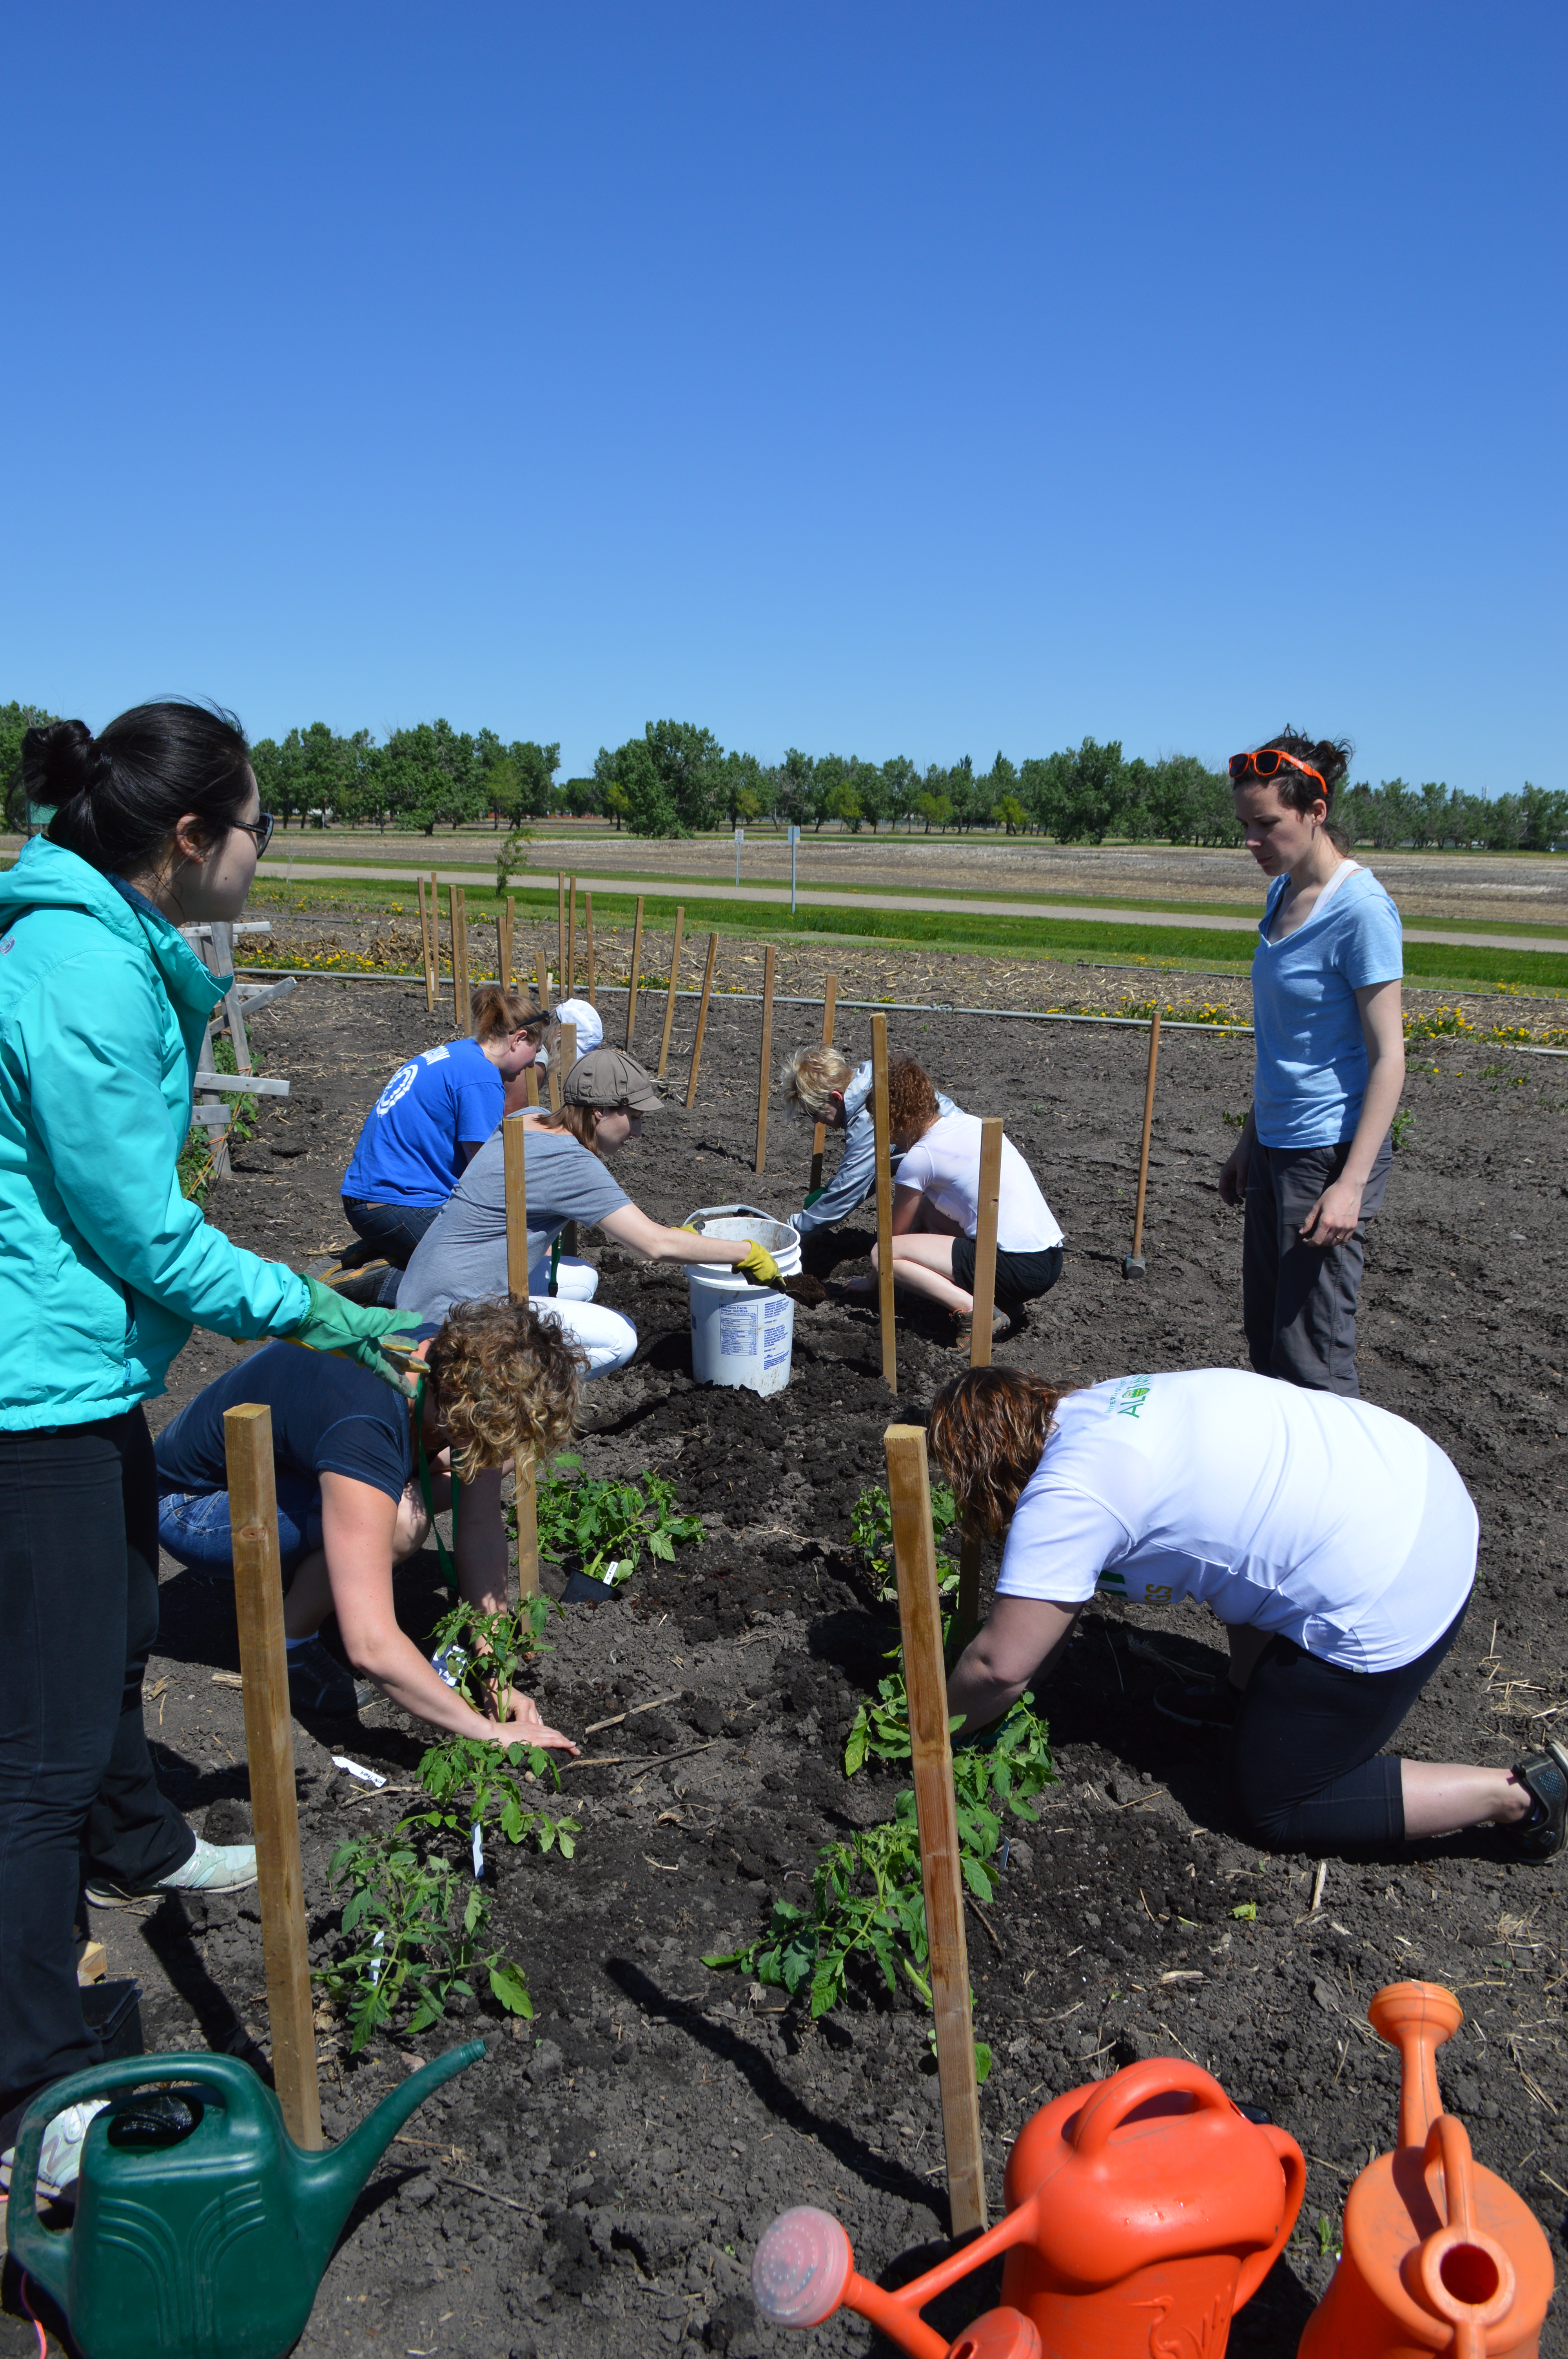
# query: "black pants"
[1306,1760]
[1298,1301]
[78,1620]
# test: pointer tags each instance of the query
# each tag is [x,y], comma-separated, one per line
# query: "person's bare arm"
[358,1525]
[906,1204]
[1018,1640]
[1336,1212]
[629,1226]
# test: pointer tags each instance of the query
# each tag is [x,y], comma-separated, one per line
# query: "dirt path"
[597,2185]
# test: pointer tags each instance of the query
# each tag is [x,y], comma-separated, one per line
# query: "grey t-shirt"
[462,1257]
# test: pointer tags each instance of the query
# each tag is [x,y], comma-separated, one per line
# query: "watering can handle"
[1157,2076]
[1292,2162]
[45,2253]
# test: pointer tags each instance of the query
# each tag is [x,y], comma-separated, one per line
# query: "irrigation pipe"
[915,1007]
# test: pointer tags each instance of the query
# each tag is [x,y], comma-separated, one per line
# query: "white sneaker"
[59,2158]
[212,1868]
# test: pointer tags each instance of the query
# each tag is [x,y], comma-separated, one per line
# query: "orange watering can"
[1143,2212]
[1438,2254]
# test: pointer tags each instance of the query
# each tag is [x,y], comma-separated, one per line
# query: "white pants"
[609,1340]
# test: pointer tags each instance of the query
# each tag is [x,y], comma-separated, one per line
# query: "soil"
[597,2184]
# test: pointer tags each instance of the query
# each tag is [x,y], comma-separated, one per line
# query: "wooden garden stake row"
[428,921]
[515,1176]
[935,1810]
[968,1619]
[819,1135]
[1132,1267]
[881,1119]
[670,996]
[269,1752]
[635,976]
[461,1012]
[702,1021]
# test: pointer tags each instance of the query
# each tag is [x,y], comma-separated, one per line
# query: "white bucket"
[742,1334]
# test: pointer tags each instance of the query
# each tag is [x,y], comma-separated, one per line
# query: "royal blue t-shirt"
[407,1151]
[1311,1052]
[329,1417]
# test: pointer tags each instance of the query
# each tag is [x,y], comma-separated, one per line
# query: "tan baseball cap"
[609,1077]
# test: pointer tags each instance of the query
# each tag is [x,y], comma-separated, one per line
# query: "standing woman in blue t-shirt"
[1313,1161]
[431,1120]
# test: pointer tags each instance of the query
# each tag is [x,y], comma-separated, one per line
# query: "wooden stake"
[919,1619]
[636,969]
[702,1021]
[556,1077]
[460,959]
[427,951]
[569,968]
[670,997]
[435,941]
[269,1752]
[506,932]
[515,1178]
[966,1620]
[588,928]
[541,986]
[882,1118]
[531,1084]
[568,1049]
[764,1070]
[560,923]
[1133,1265]
[819,1135]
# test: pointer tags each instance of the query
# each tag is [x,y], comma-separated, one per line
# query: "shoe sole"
[100,1896]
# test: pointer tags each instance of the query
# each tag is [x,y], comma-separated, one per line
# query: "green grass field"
[1193,950]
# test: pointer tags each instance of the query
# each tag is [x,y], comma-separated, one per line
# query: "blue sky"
[886,379]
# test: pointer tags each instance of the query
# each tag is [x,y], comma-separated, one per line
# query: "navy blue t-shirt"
[407,1153]
[329,1417]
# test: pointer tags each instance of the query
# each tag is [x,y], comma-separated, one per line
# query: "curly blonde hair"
[988,1430]
[808,1077]
[507,1383]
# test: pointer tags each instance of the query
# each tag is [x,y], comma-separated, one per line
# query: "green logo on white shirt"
[1129,1397]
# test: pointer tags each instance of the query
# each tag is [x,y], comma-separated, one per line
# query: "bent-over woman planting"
[361,1474]
[1335,1533]
[937,1203]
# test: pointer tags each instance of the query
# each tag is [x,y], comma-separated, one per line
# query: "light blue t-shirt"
[1311,1054]
[407,1151]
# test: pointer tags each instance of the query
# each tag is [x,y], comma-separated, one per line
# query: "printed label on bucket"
[737,1331]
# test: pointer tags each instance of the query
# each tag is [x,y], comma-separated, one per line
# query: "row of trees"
[677,778]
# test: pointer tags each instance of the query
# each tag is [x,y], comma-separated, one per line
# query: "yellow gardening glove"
[758,1265]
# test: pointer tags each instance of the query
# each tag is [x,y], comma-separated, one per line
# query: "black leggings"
[1306,1763]
[78,1620]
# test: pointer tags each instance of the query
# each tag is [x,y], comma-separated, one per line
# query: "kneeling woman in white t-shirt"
[935,1206]
[1338,1534]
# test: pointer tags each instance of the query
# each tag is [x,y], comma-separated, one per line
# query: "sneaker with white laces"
[212,1868]
[59,2158]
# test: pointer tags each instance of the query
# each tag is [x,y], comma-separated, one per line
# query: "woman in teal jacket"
[105,1268]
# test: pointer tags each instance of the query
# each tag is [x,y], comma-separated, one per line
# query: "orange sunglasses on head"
[1268,761]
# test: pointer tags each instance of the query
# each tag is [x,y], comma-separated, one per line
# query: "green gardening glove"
[330,1324]
[758,1265]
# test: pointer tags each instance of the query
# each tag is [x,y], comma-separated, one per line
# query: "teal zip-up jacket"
[104,1265]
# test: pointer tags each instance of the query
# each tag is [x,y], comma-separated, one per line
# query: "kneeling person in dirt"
[936,1205]
[463,1256]
[362,1471]
[1334,1539]
[821,1084]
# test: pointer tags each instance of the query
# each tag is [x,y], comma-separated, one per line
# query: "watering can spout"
[329,2183]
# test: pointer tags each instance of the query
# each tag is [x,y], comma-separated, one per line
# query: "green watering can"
[201,2230]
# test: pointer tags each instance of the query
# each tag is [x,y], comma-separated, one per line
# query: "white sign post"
[794,847]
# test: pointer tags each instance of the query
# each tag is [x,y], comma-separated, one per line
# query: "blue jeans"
[393,1229]
[193,1525]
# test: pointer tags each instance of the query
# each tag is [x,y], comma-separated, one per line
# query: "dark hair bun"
[58,761]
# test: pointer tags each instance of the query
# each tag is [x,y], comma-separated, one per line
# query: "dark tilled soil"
[597,2184]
